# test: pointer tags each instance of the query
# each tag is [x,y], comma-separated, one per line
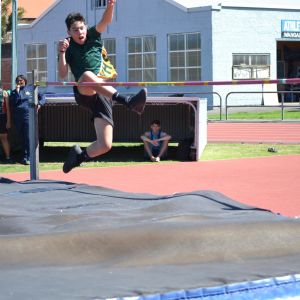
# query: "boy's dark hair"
[22,77]
[156,122]
[72,18]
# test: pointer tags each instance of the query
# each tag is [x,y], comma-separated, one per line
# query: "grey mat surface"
[60,240]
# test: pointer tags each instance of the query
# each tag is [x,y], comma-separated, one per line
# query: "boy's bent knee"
[86,91]
[108,147]
[105,146]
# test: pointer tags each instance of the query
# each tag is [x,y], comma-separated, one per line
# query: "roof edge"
[274,5]
[177,5]
[195,8]
[218,5]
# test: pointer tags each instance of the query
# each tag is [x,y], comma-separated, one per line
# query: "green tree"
[6,15]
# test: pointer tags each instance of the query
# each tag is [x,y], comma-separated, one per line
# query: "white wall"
[246,31]
[223,32]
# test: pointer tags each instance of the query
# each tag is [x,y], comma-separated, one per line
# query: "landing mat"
[60,240]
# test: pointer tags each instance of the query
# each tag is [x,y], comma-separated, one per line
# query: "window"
[99,3]
[184,57]
[110,46]
[142,58]
[251,66]
[36,58]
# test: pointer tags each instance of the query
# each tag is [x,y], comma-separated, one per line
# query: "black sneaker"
[272,149]
[137,102]
[25,161]
[9,161]
[72,159]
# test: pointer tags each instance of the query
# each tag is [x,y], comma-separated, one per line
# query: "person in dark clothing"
[19,102]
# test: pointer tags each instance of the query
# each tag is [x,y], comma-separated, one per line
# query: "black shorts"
[3,120]
[99,106]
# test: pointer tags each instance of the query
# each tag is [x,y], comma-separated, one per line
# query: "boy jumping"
[82,52]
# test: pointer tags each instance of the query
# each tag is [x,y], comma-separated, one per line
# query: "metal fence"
[219,105]
[282,104]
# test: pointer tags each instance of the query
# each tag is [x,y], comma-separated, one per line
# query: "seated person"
[155,142]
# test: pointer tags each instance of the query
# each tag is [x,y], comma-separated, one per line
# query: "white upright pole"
[201,127]
[33,130]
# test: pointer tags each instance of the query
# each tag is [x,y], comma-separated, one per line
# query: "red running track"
[287,133]
[271,182]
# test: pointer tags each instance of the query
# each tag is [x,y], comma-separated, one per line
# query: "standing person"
[156,142]
[82,52]
[19,102]
[5,124]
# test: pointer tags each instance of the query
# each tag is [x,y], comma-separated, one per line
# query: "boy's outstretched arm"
[107,16]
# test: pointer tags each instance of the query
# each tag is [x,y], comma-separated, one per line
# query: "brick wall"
[6,73]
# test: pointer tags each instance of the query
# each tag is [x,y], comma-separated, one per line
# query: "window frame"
[99,4]
[143,69]
[185,52]
[246,71]
[111,53]
[37,60]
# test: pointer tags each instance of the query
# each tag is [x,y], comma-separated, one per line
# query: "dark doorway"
[288,66]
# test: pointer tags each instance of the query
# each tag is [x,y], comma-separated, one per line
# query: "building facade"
[176,40]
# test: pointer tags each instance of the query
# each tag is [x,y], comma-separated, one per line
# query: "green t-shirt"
[86,57]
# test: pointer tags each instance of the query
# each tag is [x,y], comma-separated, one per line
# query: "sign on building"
[290,29]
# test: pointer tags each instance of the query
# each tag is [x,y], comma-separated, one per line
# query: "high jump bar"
[174,83]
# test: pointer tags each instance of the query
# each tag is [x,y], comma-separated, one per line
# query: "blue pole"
[14,57]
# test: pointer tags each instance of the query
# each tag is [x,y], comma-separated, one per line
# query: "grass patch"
[289,114]
[215,151]
[52,155]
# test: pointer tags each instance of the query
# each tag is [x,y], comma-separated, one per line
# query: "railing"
[282,106]
[189,94]
[219,106]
